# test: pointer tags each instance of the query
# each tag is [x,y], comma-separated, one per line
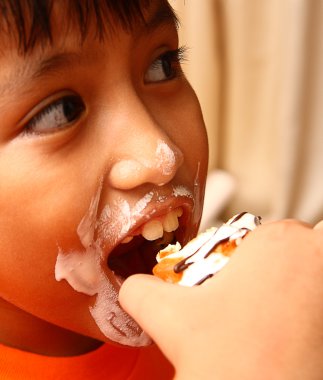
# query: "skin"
[266,315]
[50,176]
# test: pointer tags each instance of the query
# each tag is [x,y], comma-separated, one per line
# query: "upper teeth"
[152,230]
[155,228]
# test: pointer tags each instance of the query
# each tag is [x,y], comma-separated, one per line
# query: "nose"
[132,172]
[145,153]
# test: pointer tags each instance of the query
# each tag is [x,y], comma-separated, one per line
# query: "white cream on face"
[84,270]
[118,218]
[84,273]
[165,158]
[182,191]
[80,269]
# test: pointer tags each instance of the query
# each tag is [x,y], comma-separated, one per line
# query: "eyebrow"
[164,15]
[55,63]
[43,68]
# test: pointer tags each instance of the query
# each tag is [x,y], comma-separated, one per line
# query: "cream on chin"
[83,271]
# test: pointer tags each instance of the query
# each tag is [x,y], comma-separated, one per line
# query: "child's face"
[96,139]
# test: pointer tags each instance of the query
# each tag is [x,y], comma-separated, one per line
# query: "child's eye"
[56,115]
[165,67]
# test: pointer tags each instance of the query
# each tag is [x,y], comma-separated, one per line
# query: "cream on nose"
[157,167]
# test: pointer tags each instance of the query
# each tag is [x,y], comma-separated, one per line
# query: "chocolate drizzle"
[204,279]
[212,243]
[227,233]
[239,216]
[257,220]
[182,265]
[216,244]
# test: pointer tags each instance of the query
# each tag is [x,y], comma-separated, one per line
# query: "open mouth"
[137,252]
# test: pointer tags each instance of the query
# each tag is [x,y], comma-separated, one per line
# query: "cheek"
[185,125]
[193,135]
[190,133]
[190,136]
[44,197]
[38,214]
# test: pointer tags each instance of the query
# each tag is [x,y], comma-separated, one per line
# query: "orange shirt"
[107,362]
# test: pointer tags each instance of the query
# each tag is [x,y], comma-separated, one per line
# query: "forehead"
[71,42]
[27,25]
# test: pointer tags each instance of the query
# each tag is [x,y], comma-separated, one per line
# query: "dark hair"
[29,21]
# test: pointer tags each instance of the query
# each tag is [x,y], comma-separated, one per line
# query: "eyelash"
[174,58]
[178,55]
[75,108]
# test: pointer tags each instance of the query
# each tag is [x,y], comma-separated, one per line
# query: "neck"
[26,332]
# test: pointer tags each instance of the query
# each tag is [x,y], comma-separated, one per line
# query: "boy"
[103,159]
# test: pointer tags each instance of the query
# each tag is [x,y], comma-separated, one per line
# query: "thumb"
[152,303]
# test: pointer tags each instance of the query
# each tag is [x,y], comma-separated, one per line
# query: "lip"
[155,210]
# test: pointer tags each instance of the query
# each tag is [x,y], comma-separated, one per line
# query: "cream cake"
[206,254]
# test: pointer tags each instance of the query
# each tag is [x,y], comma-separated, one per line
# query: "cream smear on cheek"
[83,269]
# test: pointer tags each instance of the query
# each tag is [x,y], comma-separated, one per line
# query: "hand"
[260,317]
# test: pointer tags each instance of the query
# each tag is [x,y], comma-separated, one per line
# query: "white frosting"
[196,250]
[247,220]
